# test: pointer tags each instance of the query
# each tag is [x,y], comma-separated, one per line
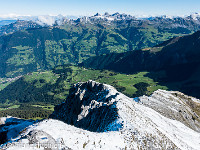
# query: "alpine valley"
[109,81]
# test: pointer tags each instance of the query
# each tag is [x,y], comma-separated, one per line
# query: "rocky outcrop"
[90,106]
[176,106]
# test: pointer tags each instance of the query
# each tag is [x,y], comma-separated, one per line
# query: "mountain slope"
[34,47]
[174,63]
[17,26]
[179,50]
[4,22]
[131,125]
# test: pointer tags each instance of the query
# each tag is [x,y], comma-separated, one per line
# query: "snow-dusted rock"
[91,106]
[97,116]
[175,105]
[11,127]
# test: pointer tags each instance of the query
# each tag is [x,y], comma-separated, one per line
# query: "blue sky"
[90,7]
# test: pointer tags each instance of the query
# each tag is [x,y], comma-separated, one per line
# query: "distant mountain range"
[27,46]
[41,19]
[50,20]
[192,20]
[18,26]
[6,22]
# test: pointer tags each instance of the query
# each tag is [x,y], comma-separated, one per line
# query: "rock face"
[176,106]
[100,108]
[90,106]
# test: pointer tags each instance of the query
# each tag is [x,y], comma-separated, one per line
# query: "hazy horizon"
[13,8]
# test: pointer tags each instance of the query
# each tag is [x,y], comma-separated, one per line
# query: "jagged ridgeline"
[33,47]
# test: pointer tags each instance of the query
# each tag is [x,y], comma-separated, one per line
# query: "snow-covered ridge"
[195,16]
[117,16]
[110,120]
[50,20]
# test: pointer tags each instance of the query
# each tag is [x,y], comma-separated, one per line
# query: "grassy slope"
[43,90]
[174,63]
[45,48]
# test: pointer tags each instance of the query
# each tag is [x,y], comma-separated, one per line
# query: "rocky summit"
[97,116]
[91,106]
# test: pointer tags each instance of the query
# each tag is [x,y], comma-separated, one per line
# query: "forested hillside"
[40,91]
[174,63]
[33,47]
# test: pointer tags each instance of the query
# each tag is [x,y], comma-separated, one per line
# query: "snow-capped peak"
[195,16]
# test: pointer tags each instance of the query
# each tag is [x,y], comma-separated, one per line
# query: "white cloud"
[13,16]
